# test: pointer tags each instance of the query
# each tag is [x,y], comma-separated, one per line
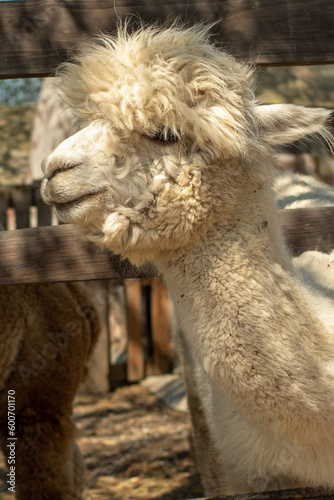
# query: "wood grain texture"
[36,35]
[4,203]
[58,253]
[160,325]
[21,202]
[135,351]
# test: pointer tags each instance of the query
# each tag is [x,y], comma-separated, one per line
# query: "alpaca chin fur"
[201,207]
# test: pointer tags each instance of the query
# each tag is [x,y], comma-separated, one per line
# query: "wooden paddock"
[36,35]
[58,253]
[143,310]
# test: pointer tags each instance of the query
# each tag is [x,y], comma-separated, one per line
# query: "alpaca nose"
[55,164]
[51,165]
[75,151]
[61,178]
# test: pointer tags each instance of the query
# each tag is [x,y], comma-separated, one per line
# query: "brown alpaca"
[47,333]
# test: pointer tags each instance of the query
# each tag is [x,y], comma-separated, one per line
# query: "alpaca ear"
[285,123]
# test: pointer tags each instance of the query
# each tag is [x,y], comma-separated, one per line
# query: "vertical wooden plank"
[117,322]
[117,375]
[135,363]
[118,340]
[160,325]
[44,215]
[146,324]
[97,381]
[4,204]
[33,222]
[22,199]
[11,219]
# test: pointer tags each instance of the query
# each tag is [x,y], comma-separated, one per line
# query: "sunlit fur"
[256,355]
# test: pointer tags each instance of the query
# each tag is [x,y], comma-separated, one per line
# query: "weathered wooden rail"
[36,35]
[59,253]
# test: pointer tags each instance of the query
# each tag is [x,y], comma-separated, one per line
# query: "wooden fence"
[22,207]
[134,313]
[36,35]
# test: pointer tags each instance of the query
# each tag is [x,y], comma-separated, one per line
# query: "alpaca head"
[171,134]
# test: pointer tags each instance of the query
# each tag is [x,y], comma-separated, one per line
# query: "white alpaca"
[301,191]
[175,166]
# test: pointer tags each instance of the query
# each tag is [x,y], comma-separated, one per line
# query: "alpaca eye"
[165,136]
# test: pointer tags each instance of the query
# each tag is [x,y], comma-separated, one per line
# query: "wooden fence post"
[22,198]
[135,361]
[44,211]
[160,325]
[4,203]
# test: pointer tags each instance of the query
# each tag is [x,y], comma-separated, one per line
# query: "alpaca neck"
[217,256]
[244,318]
[257,223]
[252,232]
[208,274]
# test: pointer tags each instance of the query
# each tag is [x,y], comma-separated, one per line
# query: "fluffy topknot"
[157,77]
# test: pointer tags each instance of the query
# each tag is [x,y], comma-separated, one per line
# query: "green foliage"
[19,90]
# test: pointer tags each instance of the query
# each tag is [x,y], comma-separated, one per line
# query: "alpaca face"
[133,177]
[171,123]
[129,190]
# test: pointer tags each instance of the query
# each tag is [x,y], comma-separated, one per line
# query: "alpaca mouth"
[60,170]
[79,205]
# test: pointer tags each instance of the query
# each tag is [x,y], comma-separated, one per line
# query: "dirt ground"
[135,448]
